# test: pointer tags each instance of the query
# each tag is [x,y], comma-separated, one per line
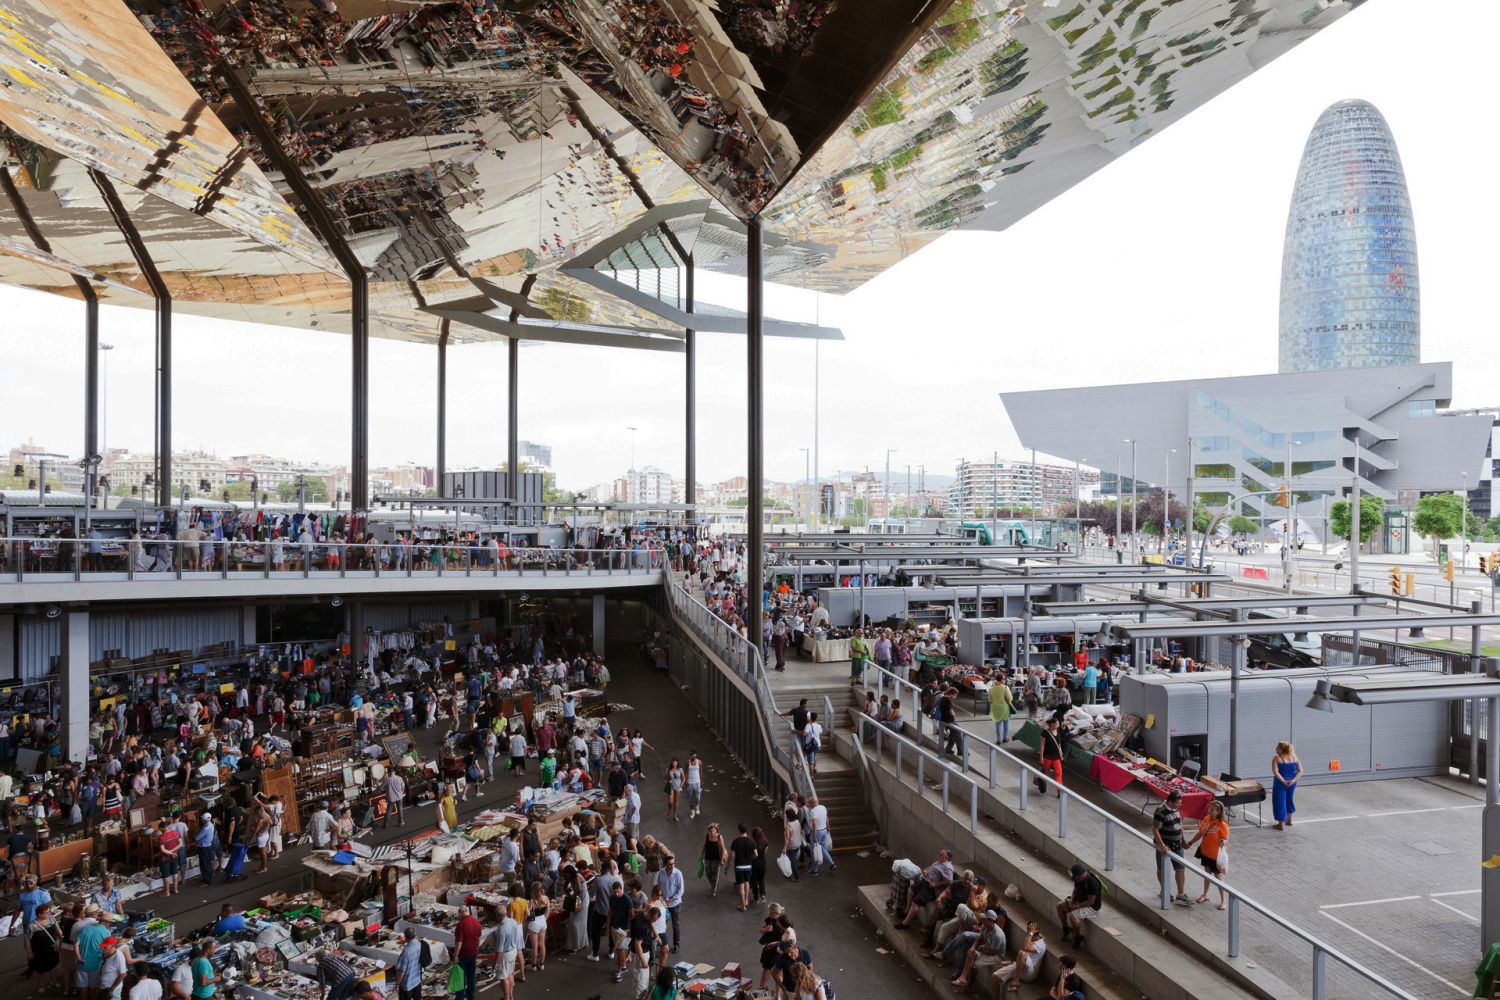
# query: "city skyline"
[1350,291]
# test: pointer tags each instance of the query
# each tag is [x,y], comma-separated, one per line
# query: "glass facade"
[1349,288]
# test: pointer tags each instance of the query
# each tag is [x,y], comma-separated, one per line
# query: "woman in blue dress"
[1287,769]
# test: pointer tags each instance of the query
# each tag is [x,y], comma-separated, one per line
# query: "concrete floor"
[823,909]
[1386,871]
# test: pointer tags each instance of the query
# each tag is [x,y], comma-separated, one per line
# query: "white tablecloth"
[826,650]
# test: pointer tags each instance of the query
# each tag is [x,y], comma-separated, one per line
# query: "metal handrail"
[23,558]
[745,658]
[1321,950]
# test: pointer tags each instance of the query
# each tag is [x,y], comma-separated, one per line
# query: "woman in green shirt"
[665,987]
[1000,708]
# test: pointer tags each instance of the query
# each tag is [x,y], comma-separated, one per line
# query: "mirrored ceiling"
[461,147]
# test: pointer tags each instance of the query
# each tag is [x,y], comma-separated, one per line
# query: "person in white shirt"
[145,988]
[182,981]
[321,825]
[817,815]
[632,813]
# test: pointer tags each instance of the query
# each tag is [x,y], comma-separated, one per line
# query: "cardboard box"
[275,899]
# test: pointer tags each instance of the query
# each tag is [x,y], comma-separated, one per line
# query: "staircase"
[850,822]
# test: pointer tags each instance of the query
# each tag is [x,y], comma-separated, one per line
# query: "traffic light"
[1483,565]
[1448,571]
[1395,581]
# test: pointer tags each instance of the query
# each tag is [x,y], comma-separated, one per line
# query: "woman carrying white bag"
[792,844]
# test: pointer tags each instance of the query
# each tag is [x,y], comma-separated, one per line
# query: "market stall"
[826,650]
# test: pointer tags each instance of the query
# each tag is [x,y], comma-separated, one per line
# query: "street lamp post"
[1166,502]
[1463,532]
[1078,501]
[1134,547]
[885,491]
[104,350]
[1119,498]
[807,481]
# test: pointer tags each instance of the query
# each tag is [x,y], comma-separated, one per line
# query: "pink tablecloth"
[1114,776]
[1109,773]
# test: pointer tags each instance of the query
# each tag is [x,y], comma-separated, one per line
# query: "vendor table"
[59,860]
[1031,734]
[441,935]
[826,650]
[1115,776]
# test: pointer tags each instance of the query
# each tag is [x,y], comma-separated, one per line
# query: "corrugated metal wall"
[39,639]
[141,634]
[388,617]
[38,642]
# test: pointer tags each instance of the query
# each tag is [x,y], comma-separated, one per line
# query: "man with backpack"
[1084,904]
[409,965]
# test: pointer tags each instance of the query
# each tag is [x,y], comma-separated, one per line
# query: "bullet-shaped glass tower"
[1349,289]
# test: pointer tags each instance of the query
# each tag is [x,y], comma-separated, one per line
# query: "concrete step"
[1099,982]
[1163,960]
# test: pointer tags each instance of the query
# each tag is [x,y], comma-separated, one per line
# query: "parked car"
[1284,649]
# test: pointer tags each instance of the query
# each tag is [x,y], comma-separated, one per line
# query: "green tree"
[856,515]
[241,490]
[1239,524]
[317,492]
[1437,516]
[1492,526]
[1371,513]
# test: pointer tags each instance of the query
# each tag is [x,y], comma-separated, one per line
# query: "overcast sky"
[1165,264]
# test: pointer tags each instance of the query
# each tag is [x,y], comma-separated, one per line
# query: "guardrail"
[154,559]
[950,770]
[744,658]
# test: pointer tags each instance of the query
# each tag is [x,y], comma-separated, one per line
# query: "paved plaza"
[1385,871]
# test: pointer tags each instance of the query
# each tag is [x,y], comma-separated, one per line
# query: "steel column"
[690,355]
[90,330]
[1236,666]
[512,429]
[315,210]
[163,298]
[359,359]
[90,385]
[755,478]
[442,403]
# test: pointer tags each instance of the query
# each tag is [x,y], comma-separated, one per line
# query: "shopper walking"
[208,855]
[1000,709]
[694,785]
[575,908]
[466,950]
[676,778]
[859,657]
[742,850]
[599,904]
[758,866]
[632,813]
[536,927]
[822,840]
[1287,769]
[1052,754]
[1213,835]
[669,879]
[1166,830]
[714,854]
[793,844]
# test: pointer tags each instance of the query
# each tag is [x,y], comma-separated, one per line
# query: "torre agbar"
[1349,289]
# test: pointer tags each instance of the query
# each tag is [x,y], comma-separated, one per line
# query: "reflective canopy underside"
[462,147]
